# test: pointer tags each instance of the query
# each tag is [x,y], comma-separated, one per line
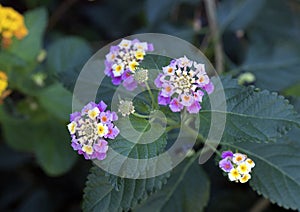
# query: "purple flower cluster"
[182,84]
[89,129]
[122,60]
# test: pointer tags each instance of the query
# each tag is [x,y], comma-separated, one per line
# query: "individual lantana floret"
[237,166]
[126,107]
[90,128]
[123,60]
[11,25]
[182,84]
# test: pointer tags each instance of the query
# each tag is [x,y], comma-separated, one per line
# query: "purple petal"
[129,83]
[198,95]
[150,47]
[101,146]
[113,131]
[209,87]
[163,100]
[114,116]
[135,41]
[158,83]
[175,105]
[126,74]
[100,156]
[108,69]
[116,80]
[76,146]
[102,106]
[114,48]
[75,116]
[227,154]
[225,165]
[173,62]
[88,107]
[194,108]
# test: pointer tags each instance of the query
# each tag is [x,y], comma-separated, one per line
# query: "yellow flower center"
[118,68]
[72,127]
[245,178]
[93,113]
[87,149]
[102,130]
[139,55]
[133,65]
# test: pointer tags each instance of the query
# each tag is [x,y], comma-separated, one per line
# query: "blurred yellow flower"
[11,24]
[3,82]
[3,86]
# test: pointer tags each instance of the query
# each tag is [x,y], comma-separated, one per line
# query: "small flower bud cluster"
[237,166]
[123,60]
[126,107]
[89,129]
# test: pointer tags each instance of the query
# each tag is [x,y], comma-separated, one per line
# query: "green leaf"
[273,53]
[157,11]
[234,14]
[29,47]
[251,115]
[23,140]
[53,149]
[56,100]
[133,146]
[152,61]
[275,65]
[100,195]
[276,174]
[8,61]
[278,21]
[187,190]
[67,54]
[49,141]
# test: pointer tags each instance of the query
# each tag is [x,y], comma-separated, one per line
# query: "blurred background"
[256,41]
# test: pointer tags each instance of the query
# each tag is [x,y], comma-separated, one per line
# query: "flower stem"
[141,116]
[202,140]
[151,94]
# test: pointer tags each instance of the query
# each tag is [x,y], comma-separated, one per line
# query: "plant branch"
[210,6]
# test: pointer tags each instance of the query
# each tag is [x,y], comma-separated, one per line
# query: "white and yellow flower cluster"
[238,166]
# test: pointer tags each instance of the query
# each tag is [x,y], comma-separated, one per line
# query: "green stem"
[169,128]
[141,116]
[202,140]
[151,94]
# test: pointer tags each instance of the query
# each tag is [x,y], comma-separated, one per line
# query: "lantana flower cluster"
[90,129]
[123,60]
[238,166]
[11,25]
[182,84]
